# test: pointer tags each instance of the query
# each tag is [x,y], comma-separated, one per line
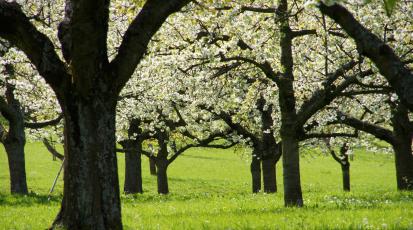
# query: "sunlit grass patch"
[210,189]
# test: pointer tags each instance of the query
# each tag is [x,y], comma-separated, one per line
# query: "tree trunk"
[152,166]
[268,147]
[269,174]
[256,172]
[15,139]
[287,101]
[91,185]
[15,154]
[404,166]
[162,167]
[291,170]
[345,169]
[402,148]
[14,145]
[133,168]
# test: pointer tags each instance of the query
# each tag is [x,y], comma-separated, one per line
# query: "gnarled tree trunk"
[345,170]
[404,165]
[14,146]
[403,148]
[162,176]
[256,171]
[290,141]
[91,186]
[269,174]
[14,143]
[133,167]
[152,166]
[15,139]
[291,169]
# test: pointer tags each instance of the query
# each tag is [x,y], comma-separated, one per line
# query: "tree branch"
[264,67]
[52,150]
[375,130]
[257,9]
[363,92]
[201,143]
[328,135]
[370,45]
[39,125]
[19,31]
[137,36]
[300,33]
[323,97]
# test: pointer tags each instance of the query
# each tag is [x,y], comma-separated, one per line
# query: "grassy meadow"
[210,189]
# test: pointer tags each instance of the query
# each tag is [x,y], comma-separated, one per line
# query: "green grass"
[210,189]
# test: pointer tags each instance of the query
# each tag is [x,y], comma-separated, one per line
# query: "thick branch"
[370,45]
[257,9]
[201,143]
[300,33]
[52,150]
[18,30]
[364,92]
[39,125]
[140,32]
[6,110]
[375,130]
[325,96]
[264,67]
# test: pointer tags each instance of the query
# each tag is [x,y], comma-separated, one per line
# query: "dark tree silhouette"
[87,86]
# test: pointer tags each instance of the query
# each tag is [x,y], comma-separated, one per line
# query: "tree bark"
[291,170]
[345,169]
[269,174]
[91,187]
[15,139]
[162,176]
[404,165]
[133,167]
[152,166]
[268,147]
[15,154]
[256,172]
[402,148]
[287,101]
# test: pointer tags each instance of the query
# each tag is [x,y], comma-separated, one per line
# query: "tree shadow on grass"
[29,200]
[204,157]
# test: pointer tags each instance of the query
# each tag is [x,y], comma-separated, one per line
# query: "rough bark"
[161,161]
[133,167]
[269,174]
[345,170]
[268,146]
[14,139]
[91,187]
[256,172]
[162,176]
[291,169]
[290,141]
[344,163]
[15,154]
[402,148]
[404,165]
[152,166]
